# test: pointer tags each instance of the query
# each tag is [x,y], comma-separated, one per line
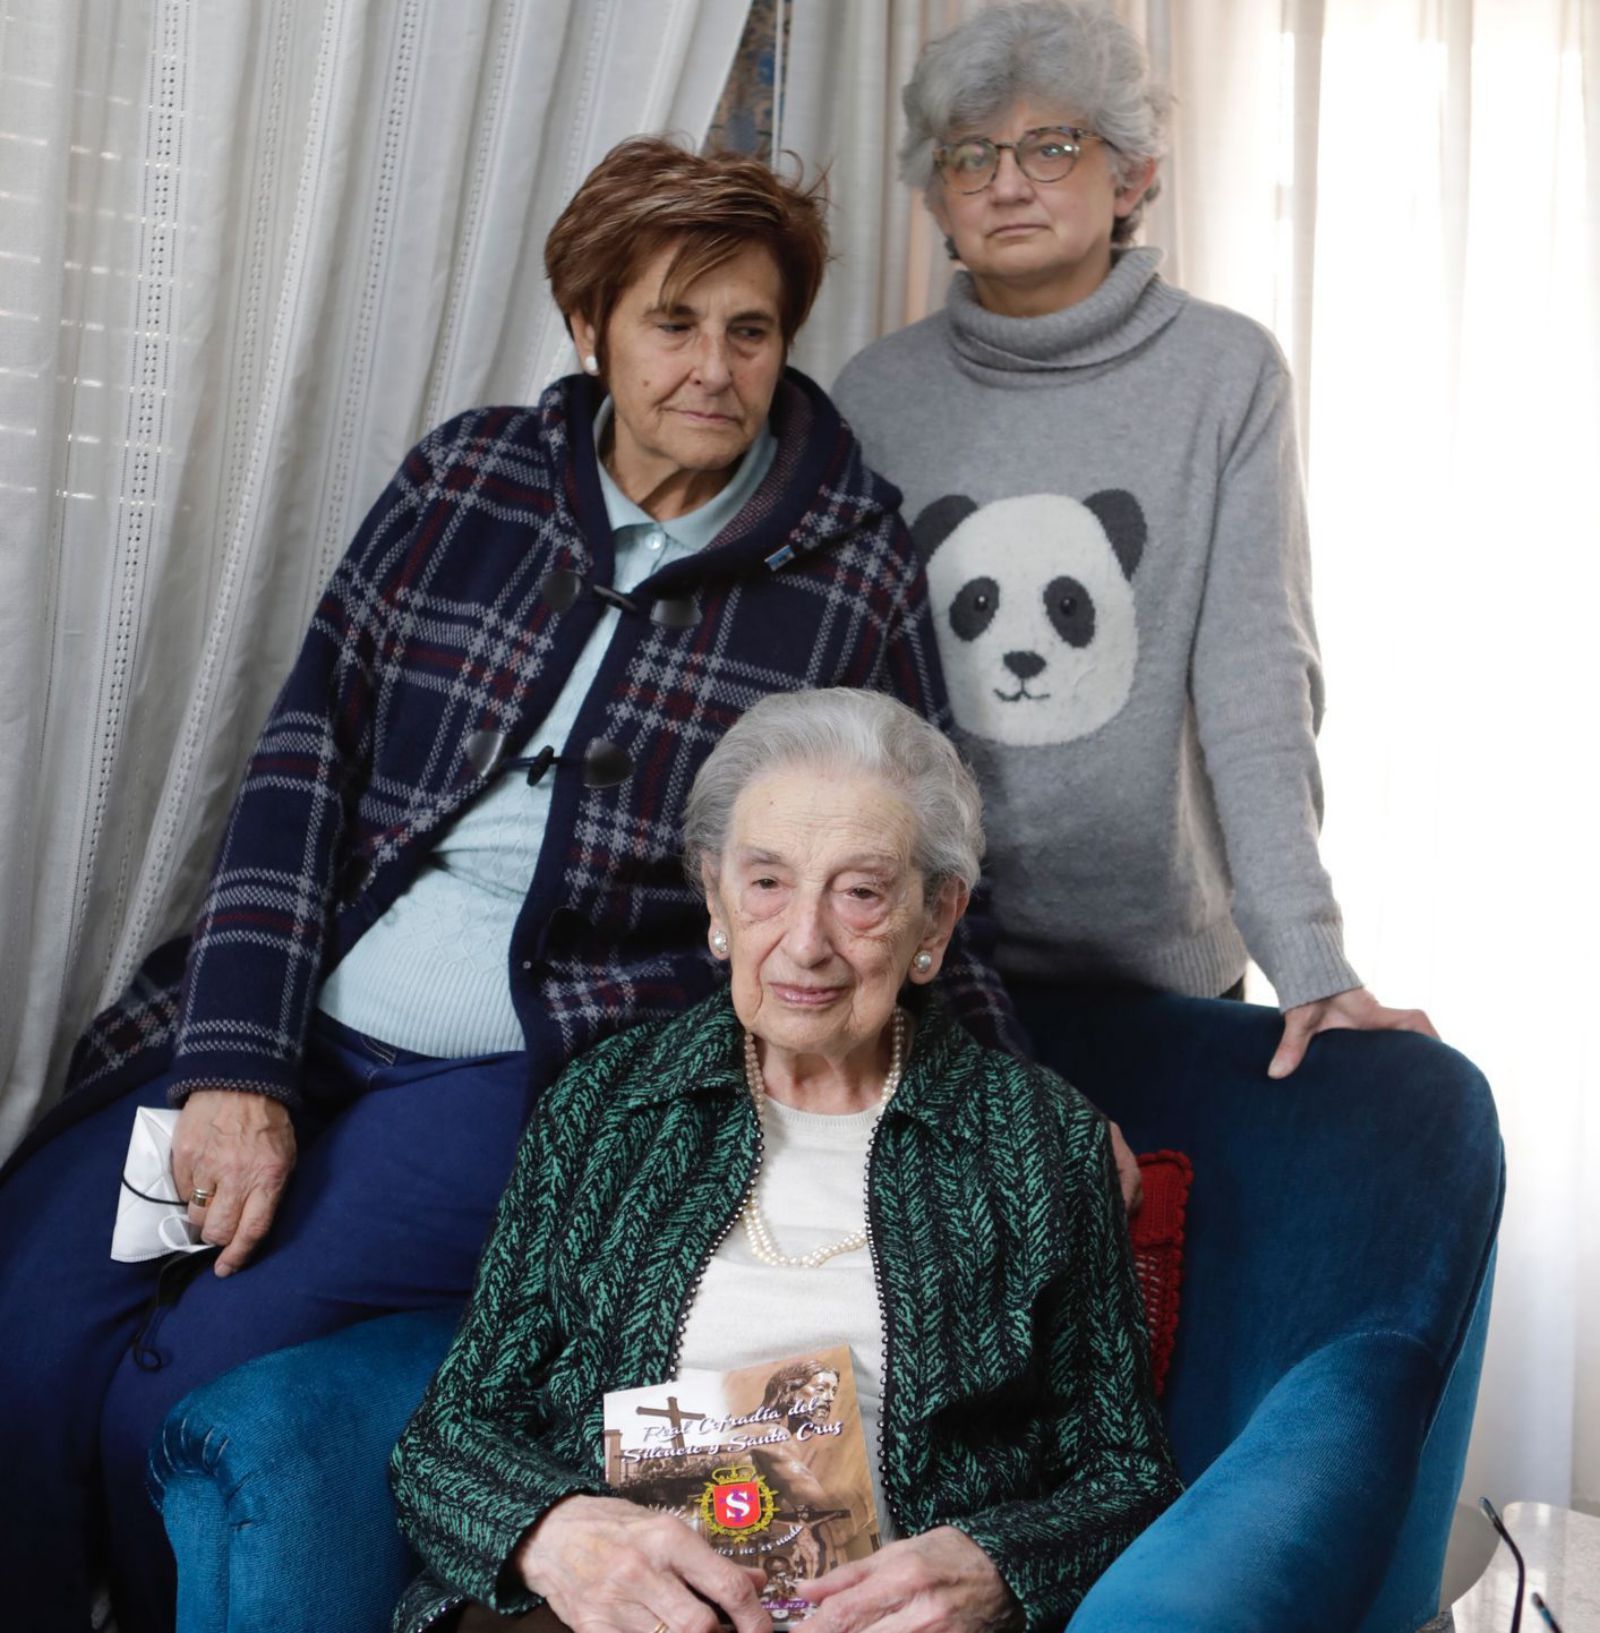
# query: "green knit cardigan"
[1017,1399]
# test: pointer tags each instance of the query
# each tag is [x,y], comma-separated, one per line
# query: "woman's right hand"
[605,1565]
[240,1148]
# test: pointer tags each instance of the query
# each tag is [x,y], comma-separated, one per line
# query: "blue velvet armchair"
[1338,1261]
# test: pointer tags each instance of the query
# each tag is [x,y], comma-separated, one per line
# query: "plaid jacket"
[432,629]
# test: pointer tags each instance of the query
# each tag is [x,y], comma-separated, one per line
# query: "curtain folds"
[295,234]
[841,111]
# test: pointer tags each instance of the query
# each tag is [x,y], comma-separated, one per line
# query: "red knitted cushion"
[1157,1230]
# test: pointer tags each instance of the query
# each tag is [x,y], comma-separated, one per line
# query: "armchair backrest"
[1338,1243]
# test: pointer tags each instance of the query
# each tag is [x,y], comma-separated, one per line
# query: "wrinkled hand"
[1129,1178]
[940,1581]
[241,1148]
[1356,1009]
[605,1565]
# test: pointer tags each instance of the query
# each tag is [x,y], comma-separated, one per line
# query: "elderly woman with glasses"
[1102,476]
[452,863]
[816,1155]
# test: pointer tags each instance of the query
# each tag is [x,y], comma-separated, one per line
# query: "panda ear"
[939,520]
[1119,514]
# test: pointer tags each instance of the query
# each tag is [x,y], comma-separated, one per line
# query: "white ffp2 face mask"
[152,1220]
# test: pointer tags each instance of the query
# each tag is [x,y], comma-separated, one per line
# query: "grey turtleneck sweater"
[1108,501]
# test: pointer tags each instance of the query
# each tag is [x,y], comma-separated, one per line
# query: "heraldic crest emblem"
[736,1501]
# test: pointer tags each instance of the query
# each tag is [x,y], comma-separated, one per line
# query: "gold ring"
[660,1627]
[199,1197]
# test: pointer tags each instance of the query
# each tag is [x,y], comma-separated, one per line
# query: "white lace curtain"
[248,253]
[1409,195]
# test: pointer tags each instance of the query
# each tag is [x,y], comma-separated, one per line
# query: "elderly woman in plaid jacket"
[452,865]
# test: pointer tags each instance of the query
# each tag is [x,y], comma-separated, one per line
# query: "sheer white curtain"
[248,253]
[1407,195]
[844,67]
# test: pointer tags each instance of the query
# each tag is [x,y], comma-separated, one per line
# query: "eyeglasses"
[1044,155]
[1539,1605]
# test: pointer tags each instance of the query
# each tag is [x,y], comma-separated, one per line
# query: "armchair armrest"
[1293,1525]
[286,1458]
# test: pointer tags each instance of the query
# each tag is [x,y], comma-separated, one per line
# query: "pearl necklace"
[757,1232]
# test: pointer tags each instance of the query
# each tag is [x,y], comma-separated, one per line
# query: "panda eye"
[974,607]
[1070,608]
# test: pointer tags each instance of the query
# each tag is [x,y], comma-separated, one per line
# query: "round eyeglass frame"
[1076,135]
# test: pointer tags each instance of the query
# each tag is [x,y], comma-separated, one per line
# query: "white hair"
[843,729]
[1073,53]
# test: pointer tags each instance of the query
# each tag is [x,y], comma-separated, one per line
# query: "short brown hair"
[647,193]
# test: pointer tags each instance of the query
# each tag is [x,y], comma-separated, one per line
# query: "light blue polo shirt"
[433,973]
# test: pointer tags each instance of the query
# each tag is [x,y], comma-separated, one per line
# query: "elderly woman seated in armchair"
[690,1195]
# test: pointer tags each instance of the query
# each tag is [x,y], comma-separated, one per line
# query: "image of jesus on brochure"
[768,1463]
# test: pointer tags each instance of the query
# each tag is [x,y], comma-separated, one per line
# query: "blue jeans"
[401,1161]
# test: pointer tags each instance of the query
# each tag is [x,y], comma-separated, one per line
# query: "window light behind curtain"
[248,253]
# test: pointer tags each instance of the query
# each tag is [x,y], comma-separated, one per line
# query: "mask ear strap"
[144,1196]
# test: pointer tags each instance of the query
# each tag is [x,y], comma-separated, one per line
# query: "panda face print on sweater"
[1033,603]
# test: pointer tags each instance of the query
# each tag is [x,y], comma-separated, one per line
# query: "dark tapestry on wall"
[743,122]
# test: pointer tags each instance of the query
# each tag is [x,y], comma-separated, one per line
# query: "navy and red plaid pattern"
[433,628]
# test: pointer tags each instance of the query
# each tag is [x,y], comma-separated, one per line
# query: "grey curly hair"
[839,728]
[1071,53]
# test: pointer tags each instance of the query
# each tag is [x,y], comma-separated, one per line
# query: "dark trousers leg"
[399,1171]
[67,1312]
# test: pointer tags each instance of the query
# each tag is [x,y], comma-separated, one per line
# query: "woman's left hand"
[1356,1009]
[941,1580]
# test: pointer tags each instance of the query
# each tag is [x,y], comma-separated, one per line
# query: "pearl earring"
[922,963]
[591,364]
[719,943]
